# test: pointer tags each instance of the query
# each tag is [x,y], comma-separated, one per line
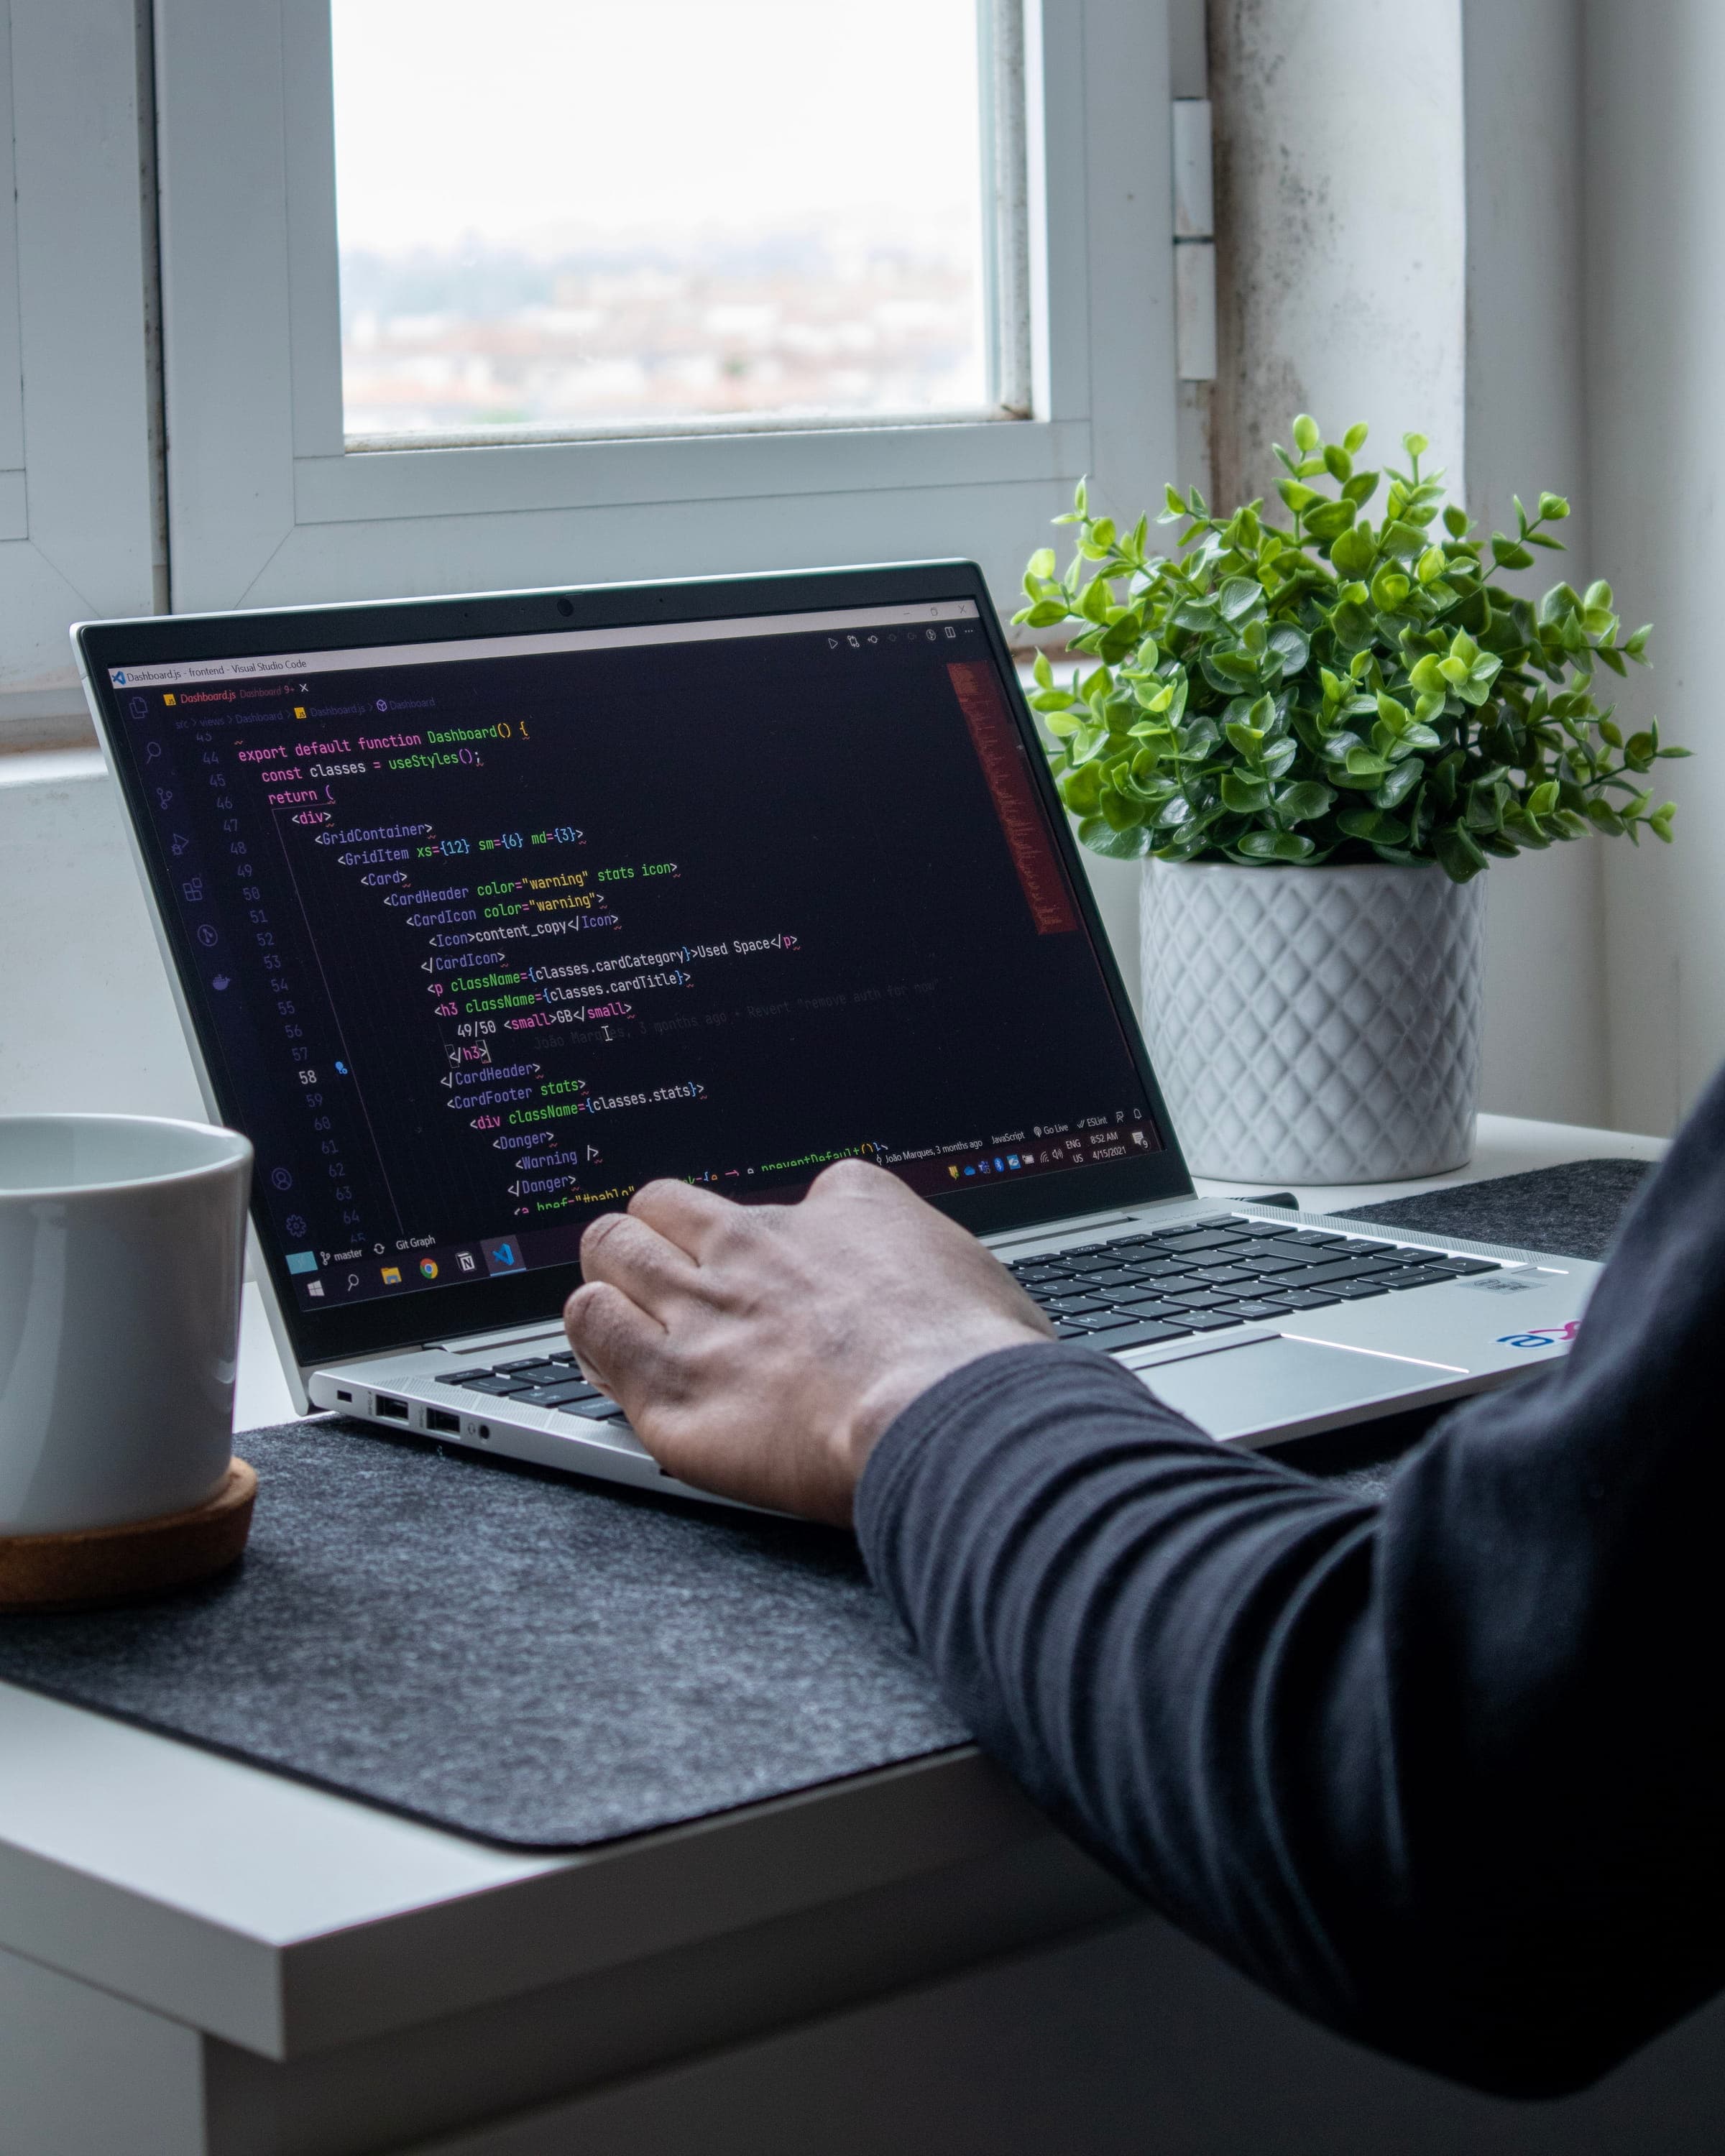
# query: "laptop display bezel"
[386,1323]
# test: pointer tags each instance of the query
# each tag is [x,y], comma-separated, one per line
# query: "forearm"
[1166,1641]
[1431,1772]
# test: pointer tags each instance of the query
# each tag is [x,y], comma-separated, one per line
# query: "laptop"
[483,912]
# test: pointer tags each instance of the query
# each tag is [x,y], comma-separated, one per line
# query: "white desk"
[196,1955]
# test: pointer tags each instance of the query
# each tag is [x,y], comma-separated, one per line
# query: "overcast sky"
[520,119]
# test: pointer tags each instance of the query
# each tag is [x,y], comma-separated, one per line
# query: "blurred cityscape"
[615,334]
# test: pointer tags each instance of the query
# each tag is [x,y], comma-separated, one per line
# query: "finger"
[684,1214]
[651,1271]
[621,1349]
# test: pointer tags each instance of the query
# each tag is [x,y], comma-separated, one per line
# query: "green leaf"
[1362,762]
[1337,463]
[1128,844]
[1329,520]
[1509,553]
[1239,595]
[1307,434]
[1306,798]
[1298,498]
[1247,740]
[1399,784]
[1277,846]
[1245,796]
[1455,521]
[1554,508]
[1416,445]
[1354,440]
[1457,852]
[1290,646]
[1353,552]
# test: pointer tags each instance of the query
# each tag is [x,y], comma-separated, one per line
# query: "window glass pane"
[579,217]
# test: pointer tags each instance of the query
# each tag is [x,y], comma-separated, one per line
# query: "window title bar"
[847,622]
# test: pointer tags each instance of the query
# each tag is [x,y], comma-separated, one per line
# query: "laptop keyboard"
[538,1381]
[1138,1290]
[1131,1292]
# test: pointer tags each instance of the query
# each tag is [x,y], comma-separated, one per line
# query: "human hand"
[760,1351]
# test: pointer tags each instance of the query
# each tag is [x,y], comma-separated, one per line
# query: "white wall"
[86,1020]
[1527,428]
[1655,224]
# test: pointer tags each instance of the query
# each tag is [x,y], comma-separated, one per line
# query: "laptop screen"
[482,934]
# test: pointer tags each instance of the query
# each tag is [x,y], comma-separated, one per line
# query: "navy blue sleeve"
[1447,1772]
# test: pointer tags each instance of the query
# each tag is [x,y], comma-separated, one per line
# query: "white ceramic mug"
[122,1247]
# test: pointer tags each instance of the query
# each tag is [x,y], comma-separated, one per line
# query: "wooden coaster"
[133,1562]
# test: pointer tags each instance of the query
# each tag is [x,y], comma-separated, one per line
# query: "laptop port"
[390,1410]
[344,1396]
[441,1418]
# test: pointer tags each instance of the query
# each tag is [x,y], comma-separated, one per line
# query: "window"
[621,452]
[795,225]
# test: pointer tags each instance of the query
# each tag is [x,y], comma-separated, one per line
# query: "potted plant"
[1315,735]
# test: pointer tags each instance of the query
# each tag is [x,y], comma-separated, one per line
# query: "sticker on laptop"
[1540,1336]
[1502,1284]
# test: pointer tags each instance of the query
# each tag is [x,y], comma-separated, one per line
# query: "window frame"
[268,507]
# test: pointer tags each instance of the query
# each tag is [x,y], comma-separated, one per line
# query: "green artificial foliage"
[1335,690]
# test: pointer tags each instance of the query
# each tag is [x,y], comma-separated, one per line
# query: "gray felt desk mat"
[524,1657]
[551,1664]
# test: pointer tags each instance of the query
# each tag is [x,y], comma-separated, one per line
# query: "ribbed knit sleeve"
[1447,1772]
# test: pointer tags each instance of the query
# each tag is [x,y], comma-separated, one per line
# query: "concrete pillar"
[1398,232]
[1340,208]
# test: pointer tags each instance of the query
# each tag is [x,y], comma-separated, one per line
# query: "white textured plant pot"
[1314,1025]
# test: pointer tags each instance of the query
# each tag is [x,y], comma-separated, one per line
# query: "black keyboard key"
[554,1396]
[1463,1268]
[1306,1298]
[1199,1298]
[526,1367]
[1343,1268]
[1145,1333]
[1097,1261]
[1211,1320]
[1072,1328]
[1357,1290]
[1185,1240]
[1224,1276]
[499,1388]
[1255,1313]
[1267,1228]
[598,1408]
[1269,1267]
[1418,1277]
[463,1377]
[1077,1305]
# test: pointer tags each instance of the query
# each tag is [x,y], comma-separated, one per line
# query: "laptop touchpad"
[1282,1384]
